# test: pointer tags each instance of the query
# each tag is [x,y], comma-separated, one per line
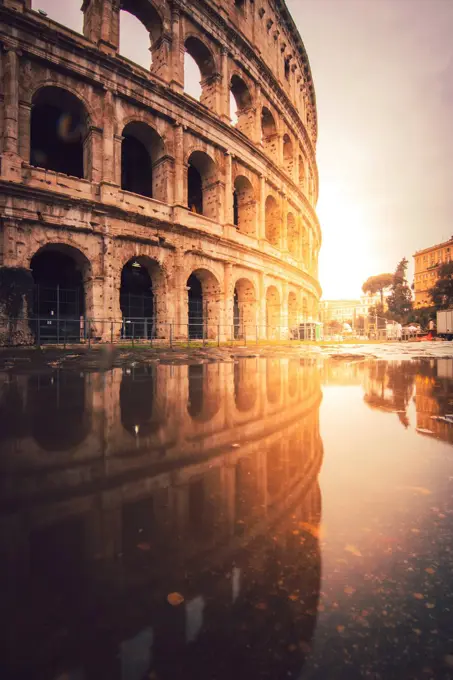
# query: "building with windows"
[347,311]
[426,265]
[129,201]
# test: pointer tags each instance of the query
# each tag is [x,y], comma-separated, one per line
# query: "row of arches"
[59,141]
[63,291]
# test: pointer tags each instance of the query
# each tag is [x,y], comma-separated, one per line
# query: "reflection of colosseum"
[210,489]
[128,198]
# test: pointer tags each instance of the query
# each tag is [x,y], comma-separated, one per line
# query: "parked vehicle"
[445,324]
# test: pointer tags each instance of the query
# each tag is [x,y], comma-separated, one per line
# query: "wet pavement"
[221,516]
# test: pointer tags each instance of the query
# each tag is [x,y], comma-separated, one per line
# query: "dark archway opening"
[196,311]
[136,167]
[137,399]
[56,402]
[137,301]
[57,132]
[235,209]
[195,190]
[59,300]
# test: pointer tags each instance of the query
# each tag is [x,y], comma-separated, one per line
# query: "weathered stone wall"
[106,225]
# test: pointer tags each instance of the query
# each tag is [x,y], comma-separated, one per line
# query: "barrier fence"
[38,331]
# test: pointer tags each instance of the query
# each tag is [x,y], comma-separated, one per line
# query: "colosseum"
[125,200]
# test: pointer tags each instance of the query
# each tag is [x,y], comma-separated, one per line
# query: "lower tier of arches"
[80,288]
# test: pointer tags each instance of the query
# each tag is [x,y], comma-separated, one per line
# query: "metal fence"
[38,331]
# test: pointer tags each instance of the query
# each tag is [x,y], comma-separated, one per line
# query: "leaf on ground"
[175,599]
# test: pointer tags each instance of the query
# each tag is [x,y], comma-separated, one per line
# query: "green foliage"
[377,284]
[400,300]
[16,284]
[442,291]
[334,326]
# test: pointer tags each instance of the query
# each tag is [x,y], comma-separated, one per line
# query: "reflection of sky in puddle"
[167,518]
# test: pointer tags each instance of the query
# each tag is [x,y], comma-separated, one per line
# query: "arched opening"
[141,277]
[244,309]
[245,384]
[137,401]
[199,63]
[269,137]
[141,150]
[240,105]
[203,292]
[244,205]
[293,235]
[273,319]
[203,389]
[288,155]
[292,314]
[272,220]
[58,132]
[56,404]
[140,30]
[202,185]
[59,272]
[287,68]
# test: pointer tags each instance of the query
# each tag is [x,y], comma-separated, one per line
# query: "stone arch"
[59,132]
[269,137]
[202,56]
[273,312]
[63,292]
[272,221]
[204,304]
[241,105]
[244,205]
[142,297]
[293,311]
[288,155]
[202,184]
[293,236]
[142,169]
[147,17]
[245,308]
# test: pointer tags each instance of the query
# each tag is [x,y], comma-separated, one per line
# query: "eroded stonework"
[106,165]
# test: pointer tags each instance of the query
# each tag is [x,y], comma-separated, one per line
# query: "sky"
[383,75]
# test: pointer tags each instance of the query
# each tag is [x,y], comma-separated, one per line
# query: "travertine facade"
[136,200]
[426,266]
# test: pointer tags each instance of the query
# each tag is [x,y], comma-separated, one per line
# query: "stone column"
[102,23]
[179,193]
[11,100]
[228,297]
[262,209]
[117,145]
[108,160]
[229,209]
[177,288]
[284,312]
[225,89]
[24,131]
[92,154]
[284,222]
[177,50]
[258,107]
[261,307]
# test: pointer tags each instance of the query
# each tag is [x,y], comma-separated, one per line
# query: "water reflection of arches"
[245,385]
[273,381]
[204,397]
[56,404]
[138,397]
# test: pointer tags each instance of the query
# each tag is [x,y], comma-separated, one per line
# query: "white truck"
[445,324]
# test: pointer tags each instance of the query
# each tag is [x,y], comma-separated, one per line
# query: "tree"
[442,291]
[400,300]
[377,284]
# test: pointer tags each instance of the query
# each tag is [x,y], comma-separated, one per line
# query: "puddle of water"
[270,518]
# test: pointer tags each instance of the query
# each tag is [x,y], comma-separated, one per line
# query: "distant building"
[427,263]
[346,311]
